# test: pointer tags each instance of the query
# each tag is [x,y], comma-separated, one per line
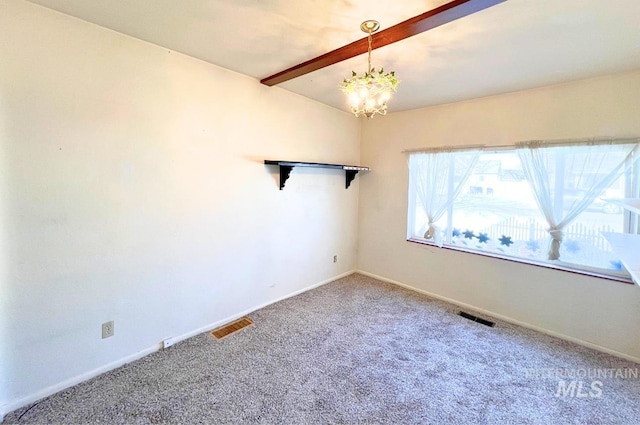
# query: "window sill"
[560,267]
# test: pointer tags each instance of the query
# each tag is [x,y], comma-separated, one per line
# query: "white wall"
[132,189]
[595,311]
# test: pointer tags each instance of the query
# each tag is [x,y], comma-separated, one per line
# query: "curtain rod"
[551,143]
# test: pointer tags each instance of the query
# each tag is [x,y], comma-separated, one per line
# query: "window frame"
[630,225]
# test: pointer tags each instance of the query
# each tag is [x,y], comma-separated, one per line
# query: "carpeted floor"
[357,351]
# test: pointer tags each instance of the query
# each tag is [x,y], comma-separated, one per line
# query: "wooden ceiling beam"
[444,14]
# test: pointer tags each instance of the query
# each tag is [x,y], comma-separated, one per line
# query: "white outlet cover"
[108,329]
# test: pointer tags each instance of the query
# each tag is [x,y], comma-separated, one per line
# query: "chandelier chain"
[369,50]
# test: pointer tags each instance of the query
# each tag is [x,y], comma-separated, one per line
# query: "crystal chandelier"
[370,92]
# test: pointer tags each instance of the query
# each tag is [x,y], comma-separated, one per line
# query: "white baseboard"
[46,392]
[505,318]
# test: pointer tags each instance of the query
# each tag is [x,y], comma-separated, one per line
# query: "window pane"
[583,243]
[498,213]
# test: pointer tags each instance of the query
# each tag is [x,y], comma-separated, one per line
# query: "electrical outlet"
[107,329]
[335,258]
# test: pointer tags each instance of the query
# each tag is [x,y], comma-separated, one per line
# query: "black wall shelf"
[287,166]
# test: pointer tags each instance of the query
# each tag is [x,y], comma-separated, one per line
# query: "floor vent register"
[477,319]
[231,328]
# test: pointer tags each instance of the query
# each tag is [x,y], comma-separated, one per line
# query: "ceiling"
[515,45]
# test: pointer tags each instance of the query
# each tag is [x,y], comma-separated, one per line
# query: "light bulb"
[354,99]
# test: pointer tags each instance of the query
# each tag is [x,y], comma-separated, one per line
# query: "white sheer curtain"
[437,177]
[566,178]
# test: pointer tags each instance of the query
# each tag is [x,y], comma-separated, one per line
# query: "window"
[543,203]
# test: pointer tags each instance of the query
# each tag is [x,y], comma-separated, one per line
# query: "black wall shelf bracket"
[285,172]
[350,175]
[286,167]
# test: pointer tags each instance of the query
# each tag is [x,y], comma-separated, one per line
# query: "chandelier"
[370,92]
